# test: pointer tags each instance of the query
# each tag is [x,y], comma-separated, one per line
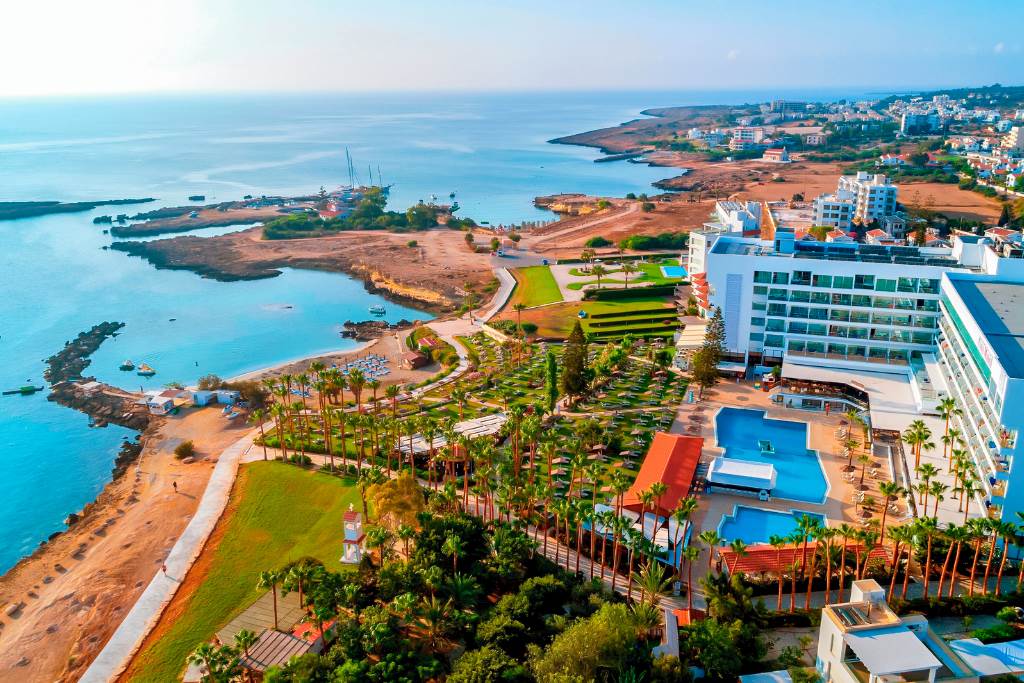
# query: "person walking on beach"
[175,485]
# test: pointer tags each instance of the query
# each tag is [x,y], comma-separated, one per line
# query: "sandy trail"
[78,588]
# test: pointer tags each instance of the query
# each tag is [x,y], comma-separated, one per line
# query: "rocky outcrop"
[69,362]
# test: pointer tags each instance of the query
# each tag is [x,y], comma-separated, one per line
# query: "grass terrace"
[277,515]
[535,286]
[641,315]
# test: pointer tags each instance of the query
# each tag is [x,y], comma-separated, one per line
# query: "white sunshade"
[745,473]
[892,650]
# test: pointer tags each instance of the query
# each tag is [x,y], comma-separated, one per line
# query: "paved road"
[118,651]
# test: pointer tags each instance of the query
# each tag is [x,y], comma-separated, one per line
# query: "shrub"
[209,383]
[185,449]
[412,244]
[995,634]
[597,241]
[647,207]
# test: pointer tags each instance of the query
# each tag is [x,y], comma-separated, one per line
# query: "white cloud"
[732,55]
[999,48]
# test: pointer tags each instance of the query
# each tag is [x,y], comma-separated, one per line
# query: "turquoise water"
[56,280]
[673,271]
[757,525]
[798,469]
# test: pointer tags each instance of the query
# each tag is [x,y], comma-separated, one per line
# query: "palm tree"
[259,416]
[357,382]
[778,542]
[951,533]
[805,527]
[936,491]
[917,436]
[901,536]
[459,397]
[268,580]
[926,472]
[627,270]
[453,546]
[928,526]
[864,459]
[653,582]
[968,489]
[245,639]
[599,271]
[691,554]
[890,491]
[845,531]
[991,527]
[712,540]
[433,619]
[947,409]
[303,574]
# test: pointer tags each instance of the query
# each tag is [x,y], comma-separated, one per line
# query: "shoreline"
[309,358]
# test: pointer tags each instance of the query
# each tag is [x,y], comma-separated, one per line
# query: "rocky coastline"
[10,211]
[69,362]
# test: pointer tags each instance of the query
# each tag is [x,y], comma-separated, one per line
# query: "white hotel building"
[900,327]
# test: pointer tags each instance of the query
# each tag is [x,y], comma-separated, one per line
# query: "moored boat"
[126,365]
[145,370]
[377,309]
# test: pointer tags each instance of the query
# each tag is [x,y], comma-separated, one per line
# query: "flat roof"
[891,650]
[741,473]
[998,309]
[991,660]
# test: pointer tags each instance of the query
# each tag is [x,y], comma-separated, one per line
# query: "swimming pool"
[673,271]
[757,525]
[799,475]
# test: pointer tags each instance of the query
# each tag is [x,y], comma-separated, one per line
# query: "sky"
[71,47]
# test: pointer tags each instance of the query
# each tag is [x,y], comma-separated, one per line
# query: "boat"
[26,390]
[126,365]
[145,370]
[377,309]
[197,197]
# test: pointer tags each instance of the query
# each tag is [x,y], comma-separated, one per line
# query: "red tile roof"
[671,459]
[765,558]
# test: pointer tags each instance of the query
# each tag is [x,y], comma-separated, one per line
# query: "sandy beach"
[74,591]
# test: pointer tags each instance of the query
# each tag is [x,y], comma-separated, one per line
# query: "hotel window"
[842,282]
[756,336]
[898,354]
[780,278]
[818,330]
[777,309]
[927,305]
[908,284]
[929,286]
[859,317]
[799,295]
[798,311]
[883,302]
[759,305]
[777,294]
[839,314]
[822,280]
[762,277]
[773,341]
[883,285]
[818,314]
[837,348]
[837,331]
[857,351]
[821,298]
[861,300]
[757,322]
[801,277]
[842,299]
[797,328]
[760,290]
[881,319]
[922,338]
[857,333]
[864,282]
[775,326]
[907,304]
[816,347]
[878,352]
[797,345]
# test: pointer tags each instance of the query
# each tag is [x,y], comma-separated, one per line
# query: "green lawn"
[278,513]
[535,286]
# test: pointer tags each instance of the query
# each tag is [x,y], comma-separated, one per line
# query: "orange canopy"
[672,459]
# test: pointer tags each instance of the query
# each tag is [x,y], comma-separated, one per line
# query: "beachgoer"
[175,485]
[164,567]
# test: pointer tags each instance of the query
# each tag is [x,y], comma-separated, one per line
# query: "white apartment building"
[1014,139]
[864,641]
[835,210]
[873,195]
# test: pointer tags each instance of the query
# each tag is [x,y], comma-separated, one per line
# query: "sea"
[57,279]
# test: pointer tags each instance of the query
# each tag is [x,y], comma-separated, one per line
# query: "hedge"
[611,294]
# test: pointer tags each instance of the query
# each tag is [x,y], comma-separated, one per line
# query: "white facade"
[873,195]
[835,210]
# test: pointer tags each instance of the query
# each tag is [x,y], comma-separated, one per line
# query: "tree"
[575,370]
[487,664]
[627,270]
[599,271]
[550,382]
[185,449]
[268,580]
[591,649]
[714,646]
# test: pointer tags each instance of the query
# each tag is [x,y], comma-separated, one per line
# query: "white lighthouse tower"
[353,537]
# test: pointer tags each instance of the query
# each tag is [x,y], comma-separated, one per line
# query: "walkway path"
[121,647]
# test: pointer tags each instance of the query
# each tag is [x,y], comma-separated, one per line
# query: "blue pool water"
[798,469]
[757,525]
[673,271]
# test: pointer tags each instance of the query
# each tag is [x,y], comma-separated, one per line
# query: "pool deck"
[838,506]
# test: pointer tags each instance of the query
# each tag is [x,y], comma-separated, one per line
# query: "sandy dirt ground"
[77,589]
[672,213]
[391,346]
[950,200]
[432,273]
[205,218]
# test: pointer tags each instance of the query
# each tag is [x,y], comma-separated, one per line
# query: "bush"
[647,207]
[209,383]
[487,665]
[665,240]
[412,244]
[995,634]
[598,241]
[185,449]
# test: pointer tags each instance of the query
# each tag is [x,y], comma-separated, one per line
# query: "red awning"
[765,558]
[672,459]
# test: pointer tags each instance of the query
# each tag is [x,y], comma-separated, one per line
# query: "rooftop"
[891,650]
[998,309]
[841,251]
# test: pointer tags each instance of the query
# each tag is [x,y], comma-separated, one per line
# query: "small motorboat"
[145,371]
[26,390]
[377,309]
[126,365]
